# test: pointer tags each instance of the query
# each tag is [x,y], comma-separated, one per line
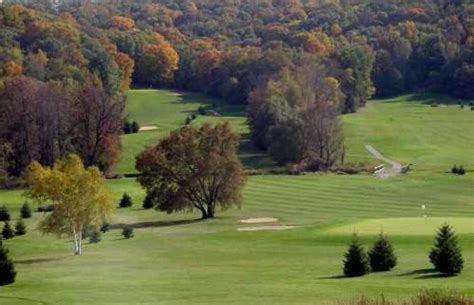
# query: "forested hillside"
[290,59]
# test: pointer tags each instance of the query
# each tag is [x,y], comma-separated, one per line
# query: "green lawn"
[175,259]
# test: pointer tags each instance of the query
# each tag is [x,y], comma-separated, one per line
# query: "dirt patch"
[266,228]
[148,128]
[259,220]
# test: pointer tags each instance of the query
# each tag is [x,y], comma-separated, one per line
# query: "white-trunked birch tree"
[79,195]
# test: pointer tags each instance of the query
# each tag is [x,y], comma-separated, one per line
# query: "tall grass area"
[179,260]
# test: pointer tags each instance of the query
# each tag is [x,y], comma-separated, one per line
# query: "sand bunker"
[266,228]
[148,128]
[259,220]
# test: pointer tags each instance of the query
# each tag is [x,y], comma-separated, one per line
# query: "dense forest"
[298,64]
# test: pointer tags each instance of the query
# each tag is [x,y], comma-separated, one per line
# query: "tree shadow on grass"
[334,277]
[418,272]
[155,224]
[37,260]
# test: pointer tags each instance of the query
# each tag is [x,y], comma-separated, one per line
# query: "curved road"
[385,173]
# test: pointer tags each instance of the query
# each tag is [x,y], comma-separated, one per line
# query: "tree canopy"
[193,168]
[79,195]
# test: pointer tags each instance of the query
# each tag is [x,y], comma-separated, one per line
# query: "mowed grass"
[408,130]
[167,110]
[176,259]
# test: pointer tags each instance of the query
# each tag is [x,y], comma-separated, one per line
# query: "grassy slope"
[189,262]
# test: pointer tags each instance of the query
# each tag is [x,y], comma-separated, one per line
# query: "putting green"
[406,226]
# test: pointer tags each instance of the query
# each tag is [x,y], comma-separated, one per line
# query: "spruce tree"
[95,237]
[127,232]
[126,201]
[7,269]
[355,259]
[20,227]
[4,214]
[148,202]
[135,127]
[446,255]
[7,231]
[25,211]
[382,256]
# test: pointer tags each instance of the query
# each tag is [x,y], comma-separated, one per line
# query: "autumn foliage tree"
[80,196]
[158,64]
[193,168]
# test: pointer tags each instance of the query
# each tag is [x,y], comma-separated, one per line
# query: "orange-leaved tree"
[193,168]
[80,197]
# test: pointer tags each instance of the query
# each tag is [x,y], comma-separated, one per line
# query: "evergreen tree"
[461,170]
[127,232]
[382,256]
[446,255]
[455,169]
[4,214]
[7,231]
[126,201]
[127,128]
[20,227]
[7,269]
[105,227]
[95,237]
[148,202]
[355,259]
[135,127]
[25,210]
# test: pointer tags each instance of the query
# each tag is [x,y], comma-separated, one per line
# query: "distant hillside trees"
[193,168]
[80,196]
[295,116]
[46,121]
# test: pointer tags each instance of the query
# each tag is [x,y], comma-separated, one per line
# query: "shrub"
[95,237]
[20,227]
[105,227]
[127,232]
[126,201]
[355,259]
[148,202]
[446,255]
[461,171]
[127,127]
[455,169]
[434,104]
[135,127]
[25,211]
[7,231]
[201,110]
[188,120]
[4,214]
[7,269]
[382,256]
[461,106]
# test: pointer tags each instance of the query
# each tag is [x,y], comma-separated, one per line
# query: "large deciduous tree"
[193,168]
[79,195]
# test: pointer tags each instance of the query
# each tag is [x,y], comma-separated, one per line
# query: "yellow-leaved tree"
[79,195]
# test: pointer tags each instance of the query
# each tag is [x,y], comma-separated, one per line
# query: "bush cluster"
[130,127]
[458,170]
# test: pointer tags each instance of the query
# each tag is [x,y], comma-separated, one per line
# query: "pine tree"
[7,231]
[148,202]
[25,211]
[135,127]
[126,201]
[95,237]
[105,227]
[355,259]
[7,269]
[127,232]
[4,214]
[20,227]
[446,255]
[382,256]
